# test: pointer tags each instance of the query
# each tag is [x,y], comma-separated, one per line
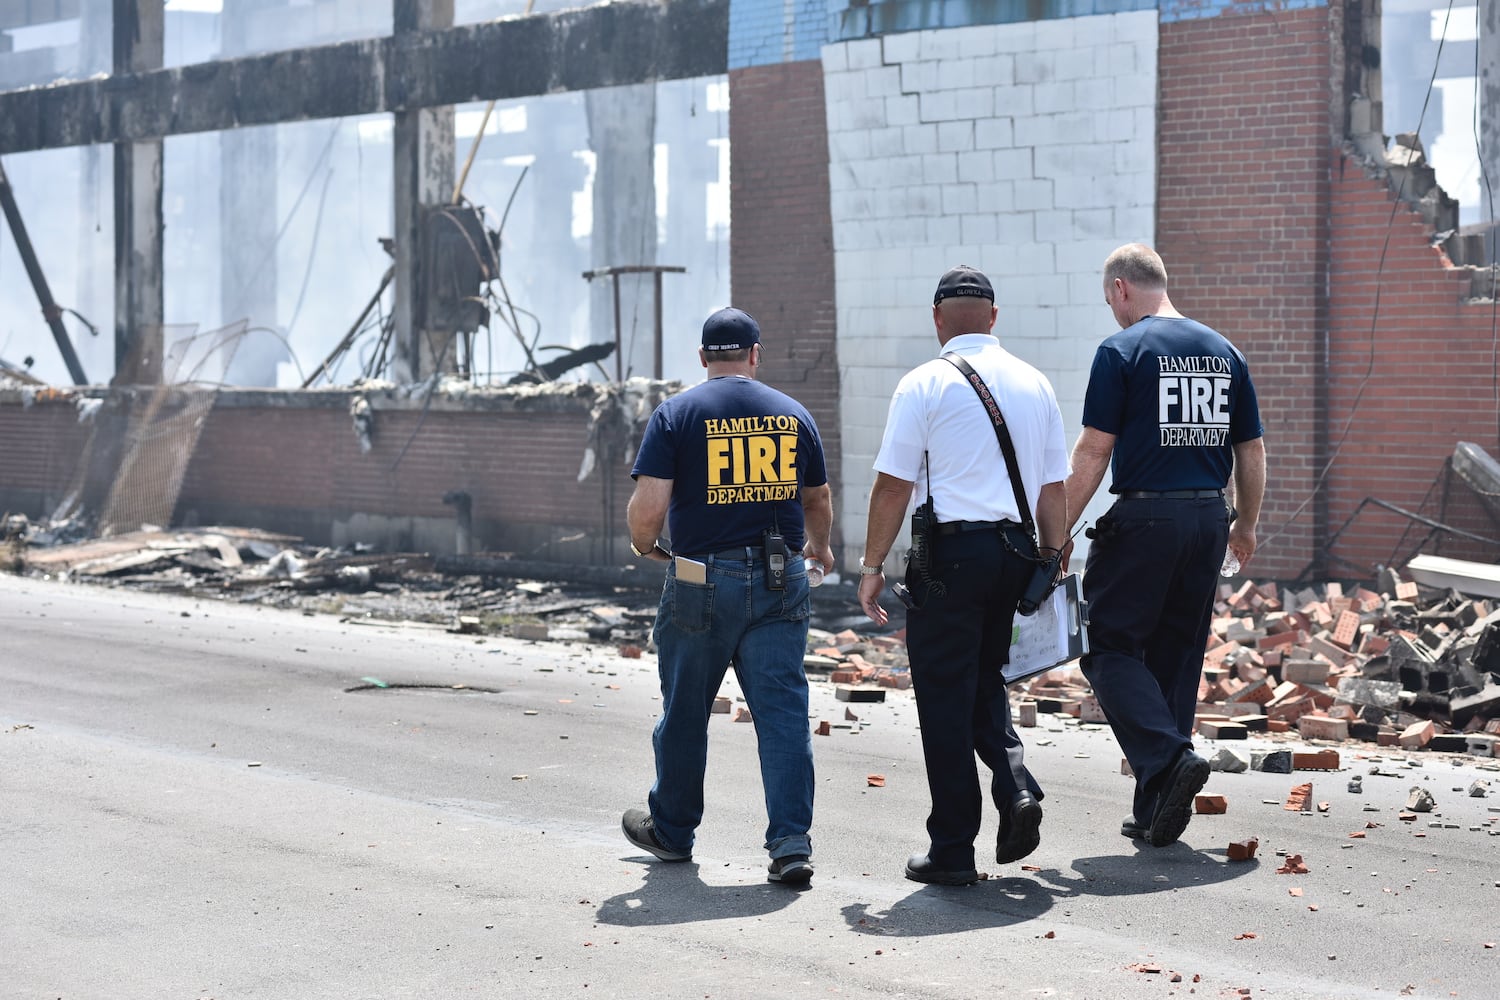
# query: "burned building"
[817,164]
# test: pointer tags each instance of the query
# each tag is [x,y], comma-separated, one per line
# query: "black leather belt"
[956,527]
[1171,494]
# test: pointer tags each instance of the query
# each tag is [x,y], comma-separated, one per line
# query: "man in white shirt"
[940,445]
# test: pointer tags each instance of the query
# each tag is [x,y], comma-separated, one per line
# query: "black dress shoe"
[1174,809]
[1020,829]
[1130,828]
[919,868]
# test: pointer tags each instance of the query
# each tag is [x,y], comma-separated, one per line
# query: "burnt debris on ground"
[1403,665]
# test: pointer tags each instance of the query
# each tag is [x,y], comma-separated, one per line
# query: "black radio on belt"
[776,556]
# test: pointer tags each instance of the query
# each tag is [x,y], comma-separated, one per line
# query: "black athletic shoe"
[1174,809]
[1130,828]
[641,832]
[794,869]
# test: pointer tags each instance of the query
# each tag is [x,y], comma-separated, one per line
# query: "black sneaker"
[794,869]
[1130,828]
[641,832]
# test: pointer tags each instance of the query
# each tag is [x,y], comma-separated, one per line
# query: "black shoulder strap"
[1002,434]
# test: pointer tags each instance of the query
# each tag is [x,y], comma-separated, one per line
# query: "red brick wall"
[781,236]
[1242,223]
[40,446]
[1413,364]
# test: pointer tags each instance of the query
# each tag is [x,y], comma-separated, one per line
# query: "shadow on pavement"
[933,909]
[1147,870]
[676,894]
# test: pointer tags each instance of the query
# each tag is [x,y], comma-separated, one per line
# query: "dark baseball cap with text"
[962,281]
[730,329]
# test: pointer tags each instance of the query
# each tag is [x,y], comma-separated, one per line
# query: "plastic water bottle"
[814,573]
[1231,564]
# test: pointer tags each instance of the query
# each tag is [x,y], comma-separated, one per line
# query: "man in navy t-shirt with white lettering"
[1170,401]
[735,470]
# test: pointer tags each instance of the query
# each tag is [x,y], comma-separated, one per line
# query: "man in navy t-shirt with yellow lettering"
[1171,402]
[735,470]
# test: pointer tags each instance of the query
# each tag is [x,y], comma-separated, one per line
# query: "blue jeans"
[700,630]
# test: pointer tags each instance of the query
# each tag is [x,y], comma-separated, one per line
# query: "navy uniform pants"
[958,641]
[1152,572]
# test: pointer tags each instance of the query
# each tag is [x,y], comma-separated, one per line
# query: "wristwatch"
[645,552]
[870,570]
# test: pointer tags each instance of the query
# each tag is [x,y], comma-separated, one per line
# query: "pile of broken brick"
[1411,667]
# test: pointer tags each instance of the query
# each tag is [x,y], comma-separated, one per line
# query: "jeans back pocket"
[692,606]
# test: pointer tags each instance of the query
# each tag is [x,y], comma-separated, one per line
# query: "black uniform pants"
[958,642]
[1152,571]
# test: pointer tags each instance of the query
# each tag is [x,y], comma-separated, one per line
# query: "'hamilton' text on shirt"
[752,459]
[1193,401]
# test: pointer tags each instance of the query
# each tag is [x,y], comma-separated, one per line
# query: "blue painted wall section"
[850,20]
[767,32]
[1197,10]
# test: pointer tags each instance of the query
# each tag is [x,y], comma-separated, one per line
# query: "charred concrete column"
[247,203]
[138,41]
[424,174]
[622,134]
[1489,116]
[95,269]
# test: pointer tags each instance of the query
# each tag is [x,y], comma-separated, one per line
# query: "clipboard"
[1053,636]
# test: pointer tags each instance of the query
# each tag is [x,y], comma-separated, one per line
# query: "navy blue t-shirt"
[1178,397]
[738,453]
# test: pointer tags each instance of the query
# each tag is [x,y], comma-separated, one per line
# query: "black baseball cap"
[963,280]
[730,329]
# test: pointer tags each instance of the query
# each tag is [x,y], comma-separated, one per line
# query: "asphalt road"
[201,799]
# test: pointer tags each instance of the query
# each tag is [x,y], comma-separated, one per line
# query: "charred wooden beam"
[625,42]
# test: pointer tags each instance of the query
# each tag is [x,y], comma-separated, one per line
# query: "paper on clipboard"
[1051,637]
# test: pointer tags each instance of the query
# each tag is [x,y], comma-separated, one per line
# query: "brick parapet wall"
[781,238]
[1242,223]
[1413,373]
[293,462]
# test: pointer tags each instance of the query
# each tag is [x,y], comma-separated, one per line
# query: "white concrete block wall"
[1027,150]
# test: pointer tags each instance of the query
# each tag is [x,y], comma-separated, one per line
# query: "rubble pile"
[1411,667]
[253,566]
[853,661]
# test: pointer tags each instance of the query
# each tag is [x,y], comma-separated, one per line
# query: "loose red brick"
[1299,799]
[1279,639]
[1210,805]
[1346,629]
[1243,850]
[1417,735]
[1322,760]
[824,728]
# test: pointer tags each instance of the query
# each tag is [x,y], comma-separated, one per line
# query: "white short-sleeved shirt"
[935,410]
